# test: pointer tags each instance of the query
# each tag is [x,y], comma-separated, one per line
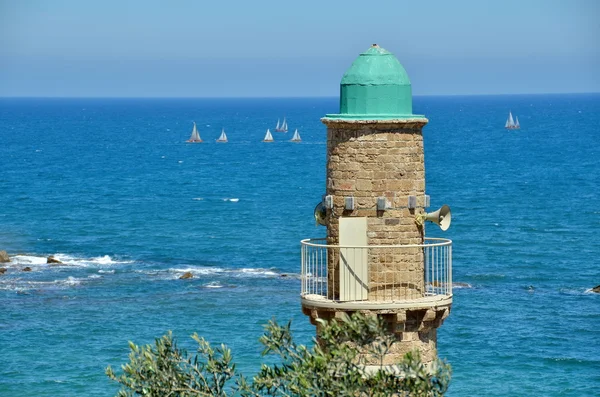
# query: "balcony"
[376,277]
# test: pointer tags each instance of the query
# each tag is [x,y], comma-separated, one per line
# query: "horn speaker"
[441,217]
[320,214]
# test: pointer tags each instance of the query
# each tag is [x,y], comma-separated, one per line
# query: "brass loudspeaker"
[441,217]
[320,214]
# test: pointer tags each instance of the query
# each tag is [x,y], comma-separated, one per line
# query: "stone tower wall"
[368,159]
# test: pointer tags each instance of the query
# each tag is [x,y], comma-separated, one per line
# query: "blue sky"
[226,48]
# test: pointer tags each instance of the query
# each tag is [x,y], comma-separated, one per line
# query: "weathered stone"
[186,275]
[51,259]
[596,289]
[3,270]
[4,257]
[26,269]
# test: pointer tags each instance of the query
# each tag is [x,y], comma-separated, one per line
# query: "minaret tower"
[376,258]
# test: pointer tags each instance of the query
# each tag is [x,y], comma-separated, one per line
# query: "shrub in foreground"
[332,367]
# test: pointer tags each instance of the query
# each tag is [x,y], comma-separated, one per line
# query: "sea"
[111,189]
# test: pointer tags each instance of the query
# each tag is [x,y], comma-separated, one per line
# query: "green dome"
[376,86]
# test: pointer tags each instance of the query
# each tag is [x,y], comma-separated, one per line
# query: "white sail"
[268,136]
[284,126]
[223,136]
[296,137]
[195,137]
[510,123]
[277,126]
[517,125]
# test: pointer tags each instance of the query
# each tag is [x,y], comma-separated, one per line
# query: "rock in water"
[4,257]
[27,269]
[186,275]
[2,270]
[52,259]
[596,289]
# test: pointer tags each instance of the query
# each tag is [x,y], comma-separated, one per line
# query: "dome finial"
[375,45]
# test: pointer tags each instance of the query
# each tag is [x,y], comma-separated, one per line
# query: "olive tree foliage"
[332,367]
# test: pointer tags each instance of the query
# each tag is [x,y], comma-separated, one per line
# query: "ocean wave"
[459,285]
[69,281]
[22,286]
[573,291]
[104,260]
[213,284]
[203,272]
[28,260]
[317,279]
[197,271]
[66,259]
[256,272]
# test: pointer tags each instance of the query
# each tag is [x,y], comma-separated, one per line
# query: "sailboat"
[195,137]
[268,136]
[511,124]
[223,136]
[283,127]
[296,137]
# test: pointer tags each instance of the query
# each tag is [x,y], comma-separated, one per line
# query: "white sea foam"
[461,285]
[67,260]
[94,276]
[201,271]
[106,271]
[198,198]
[214,284]
[28,260]
[234,200]
[318,279]
[103,260]
[258,272]
[22,286]
[197,271]
[69,281]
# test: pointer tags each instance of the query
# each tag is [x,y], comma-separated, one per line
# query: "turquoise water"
[109,187]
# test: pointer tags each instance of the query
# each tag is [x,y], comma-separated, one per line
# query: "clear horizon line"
[278,97]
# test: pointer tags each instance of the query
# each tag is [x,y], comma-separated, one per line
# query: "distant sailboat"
[223,136]
[195,137]
[296,137]
[283,127]
[511,124]
[268,136]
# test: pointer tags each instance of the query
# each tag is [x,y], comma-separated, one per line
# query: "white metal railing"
[376,272]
